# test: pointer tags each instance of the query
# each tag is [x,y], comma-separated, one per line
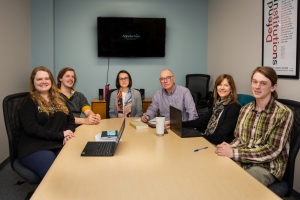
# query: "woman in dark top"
[47,124]
[218,123]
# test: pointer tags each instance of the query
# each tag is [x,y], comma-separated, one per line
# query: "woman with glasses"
[125,101]
[218,123]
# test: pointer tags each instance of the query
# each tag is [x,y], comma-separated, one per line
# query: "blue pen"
[196,150]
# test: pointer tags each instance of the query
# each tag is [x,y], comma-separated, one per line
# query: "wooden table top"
[146,166]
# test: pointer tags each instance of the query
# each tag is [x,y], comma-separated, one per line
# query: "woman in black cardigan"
[218,123]
[47,123]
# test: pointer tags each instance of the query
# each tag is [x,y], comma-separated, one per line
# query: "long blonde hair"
[55,99]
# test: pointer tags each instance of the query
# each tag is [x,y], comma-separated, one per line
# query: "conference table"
[146,166]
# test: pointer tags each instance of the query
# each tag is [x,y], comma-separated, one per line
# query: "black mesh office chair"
[108,102]
[285,186]
[13,126]
[198,84]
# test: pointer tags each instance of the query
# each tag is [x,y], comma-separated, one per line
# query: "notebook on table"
[176,125]
[100,148]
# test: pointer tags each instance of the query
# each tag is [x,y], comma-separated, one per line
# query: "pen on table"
[196,150]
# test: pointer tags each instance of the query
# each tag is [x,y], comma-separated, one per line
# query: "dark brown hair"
[270,73]
[117,79]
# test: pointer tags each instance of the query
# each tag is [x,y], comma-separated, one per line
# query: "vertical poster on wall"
[280,37]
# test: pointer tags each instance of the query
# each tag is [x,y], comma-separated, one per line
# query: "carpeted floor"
[9,189]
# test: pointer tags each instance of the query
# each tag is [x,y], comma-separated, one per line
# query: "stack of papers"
[138,125]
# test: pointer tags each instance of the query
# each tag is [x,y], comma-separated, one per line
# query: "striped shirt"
[262,138]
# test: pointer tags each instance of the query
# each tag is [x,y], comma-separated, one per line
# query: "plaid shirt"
[262,138]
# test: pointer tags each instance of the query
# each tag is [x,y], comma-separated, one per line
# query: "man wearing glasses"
[76,101]
[171,94]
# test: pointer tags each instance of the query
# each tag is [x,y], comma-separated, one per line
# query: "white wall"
[15,64]
[235,47]
[75,41]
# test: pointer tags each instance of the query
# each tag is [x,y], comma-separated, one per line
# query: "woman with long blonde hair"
[46,122]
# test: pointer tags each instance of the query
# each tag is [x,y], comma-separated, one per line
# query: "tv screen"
[131,37]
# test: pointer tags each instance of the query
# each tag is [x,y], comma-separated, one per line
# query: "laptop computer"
[176,125]
[100,148]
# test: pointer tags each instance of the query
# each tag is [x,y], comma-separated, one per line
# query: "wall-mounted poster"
[280,37]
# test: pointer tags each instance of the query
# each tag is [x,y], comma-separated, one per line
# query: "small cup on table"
[160,126]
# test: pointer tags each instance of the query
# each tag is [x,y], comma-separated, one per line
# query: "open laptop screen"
[176,120]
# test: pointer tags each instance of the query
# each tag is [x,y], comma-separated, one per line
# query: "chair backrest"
[12,122]
[198,83]
[294,143]
[108,102]
[245,99]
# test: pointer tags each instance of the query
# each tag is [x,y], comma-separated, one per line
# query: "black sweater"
[39,130]
[225,129]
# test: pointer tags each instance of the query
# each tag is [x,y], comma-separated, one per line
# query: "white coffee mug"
[160,126]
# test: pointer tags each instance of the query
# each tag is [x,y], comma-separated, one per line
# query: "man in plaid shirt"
[262,134]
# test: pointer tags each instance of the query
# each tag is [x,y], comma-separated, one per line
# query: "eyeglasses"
[165,79]
[123,79]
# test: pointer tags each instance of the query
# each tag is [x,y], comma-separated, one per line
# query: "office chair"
[245,99]
[13,126]
[198,84]
[108,102]
[285,186]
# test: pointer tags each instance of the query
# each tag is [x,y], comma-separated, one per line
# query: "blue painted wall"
[42,34]
[64,34]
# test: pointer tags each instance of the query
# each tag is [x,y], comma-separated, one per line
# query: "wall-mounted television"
[131,37]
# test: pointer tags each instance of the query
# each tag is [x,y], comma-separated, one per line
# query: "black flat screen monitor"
[131,37]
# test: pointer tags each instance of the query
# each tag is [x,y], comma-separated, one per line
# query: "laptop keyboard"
[191,132]
[104,148]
